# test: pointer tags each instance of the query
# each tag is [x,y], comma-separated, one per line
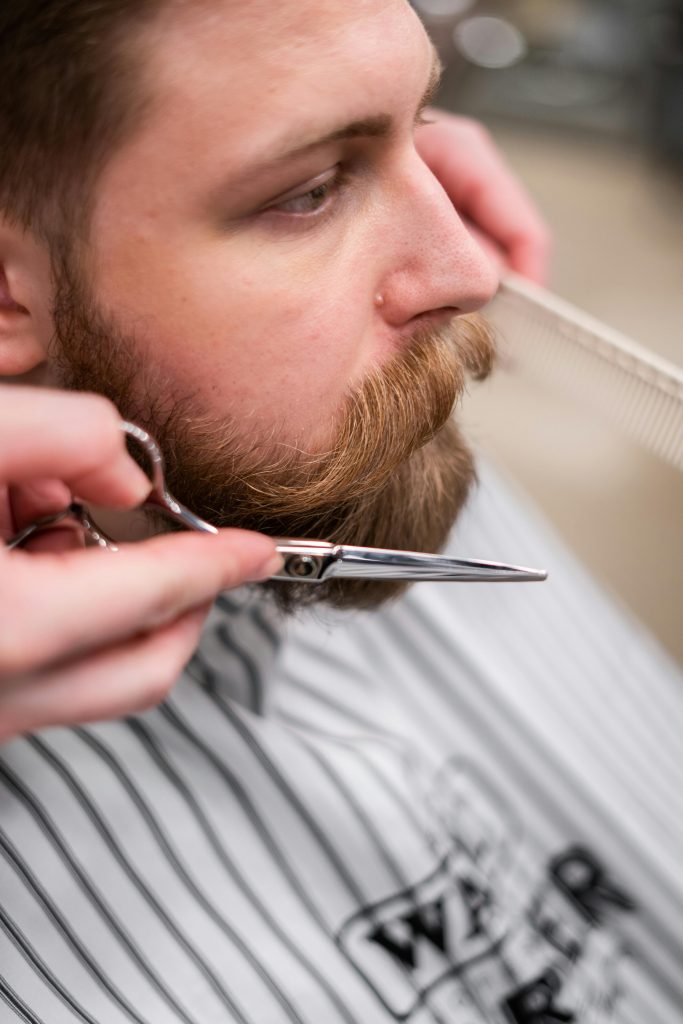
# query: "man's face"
[268,237]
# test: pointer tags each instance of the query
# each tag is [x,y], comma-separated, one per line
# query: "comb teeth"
[621,380]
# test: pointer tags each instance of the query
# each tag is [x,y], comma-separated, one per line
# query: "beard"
[395,475]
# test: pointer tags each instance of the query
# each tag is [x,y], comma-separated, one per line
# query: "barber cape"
[464,808]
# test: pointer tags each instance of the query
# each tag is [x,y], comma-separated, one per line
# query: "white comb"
[621,380]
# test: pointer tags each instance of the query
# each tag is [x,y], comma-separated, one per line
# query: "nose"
[433,263]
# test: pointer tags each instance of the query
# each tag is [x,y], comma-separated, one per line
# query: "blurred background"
[585,98]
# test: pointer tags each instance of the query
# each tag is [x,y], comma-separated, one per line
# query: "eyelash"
[320,196]
[324,193]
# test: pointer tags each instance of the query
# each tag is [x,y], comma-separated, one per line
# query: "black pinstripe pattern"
[252,675]
[21,1010]
[266,628]
[394,869]
[33,885]
[279,857]
[362,757]
[154,904]
[38,965]
[255,614]
[344,712]
[392,866]
[292,798]
[365,823]
[316,830]
[155,750]
[144,809]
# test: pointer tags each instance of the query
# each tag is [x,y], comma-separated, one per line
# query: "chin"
[414,510]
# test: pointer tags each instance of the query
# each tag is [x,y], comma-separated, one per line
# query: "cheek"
[288,359]
[277,350]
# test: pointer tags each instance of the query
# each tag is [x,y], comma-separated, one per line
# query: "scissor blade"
[380,563]
[314,561]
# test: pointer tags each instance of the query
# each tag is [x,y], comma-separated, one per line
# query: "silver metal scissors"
[304,561]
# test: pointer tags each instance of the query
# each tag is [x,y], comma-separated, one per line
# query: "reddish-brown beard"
[396,476]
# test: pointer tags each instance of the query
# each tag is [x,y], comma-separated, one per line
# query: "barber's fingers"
[57,606]
[118,681]
[69,436]
[530,257]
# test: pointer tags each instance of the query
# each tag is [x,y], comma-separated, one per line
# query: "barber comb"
[558,344]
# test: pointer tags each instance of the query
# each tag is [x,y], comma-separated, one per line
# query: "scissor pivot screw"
[300,565]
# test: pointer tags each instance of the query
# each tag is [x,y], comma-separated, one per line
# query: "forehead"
[230,85]
[260,68]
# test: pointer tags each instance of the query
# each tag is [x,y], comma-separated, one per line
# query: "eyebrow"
[377,126]
[380,125]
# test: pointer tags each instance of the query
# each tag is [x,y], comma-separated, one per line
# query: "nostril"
[436,317]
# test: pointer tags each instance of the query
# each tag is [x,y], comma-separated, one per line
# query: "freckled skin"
[252,315]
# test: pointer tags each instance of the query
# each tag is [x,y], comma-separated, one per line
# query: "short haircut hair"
[70,88]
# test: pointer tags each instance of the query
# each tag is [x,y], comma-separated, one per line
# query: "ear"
[25,292]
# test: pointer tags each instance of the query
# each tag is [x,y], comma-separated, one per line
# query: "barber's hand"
[86,634]
[486,193]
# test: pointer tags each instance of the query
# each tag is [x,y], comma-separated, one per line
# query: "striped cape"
[466,808]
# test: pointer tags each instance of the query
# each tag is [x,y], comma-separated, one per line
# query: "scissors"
[304,561]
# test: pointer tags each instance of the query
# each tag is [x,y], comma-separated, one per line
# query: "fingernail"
[272,565]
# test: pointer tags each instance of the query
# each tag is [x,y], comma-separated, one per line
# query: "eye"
[318,192]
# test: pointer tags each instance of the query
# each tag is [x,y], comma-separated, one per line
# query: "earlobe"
[22,346]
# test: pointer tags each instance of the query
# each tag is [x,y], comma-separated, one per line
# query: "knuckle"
[168,604]
[189,569]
